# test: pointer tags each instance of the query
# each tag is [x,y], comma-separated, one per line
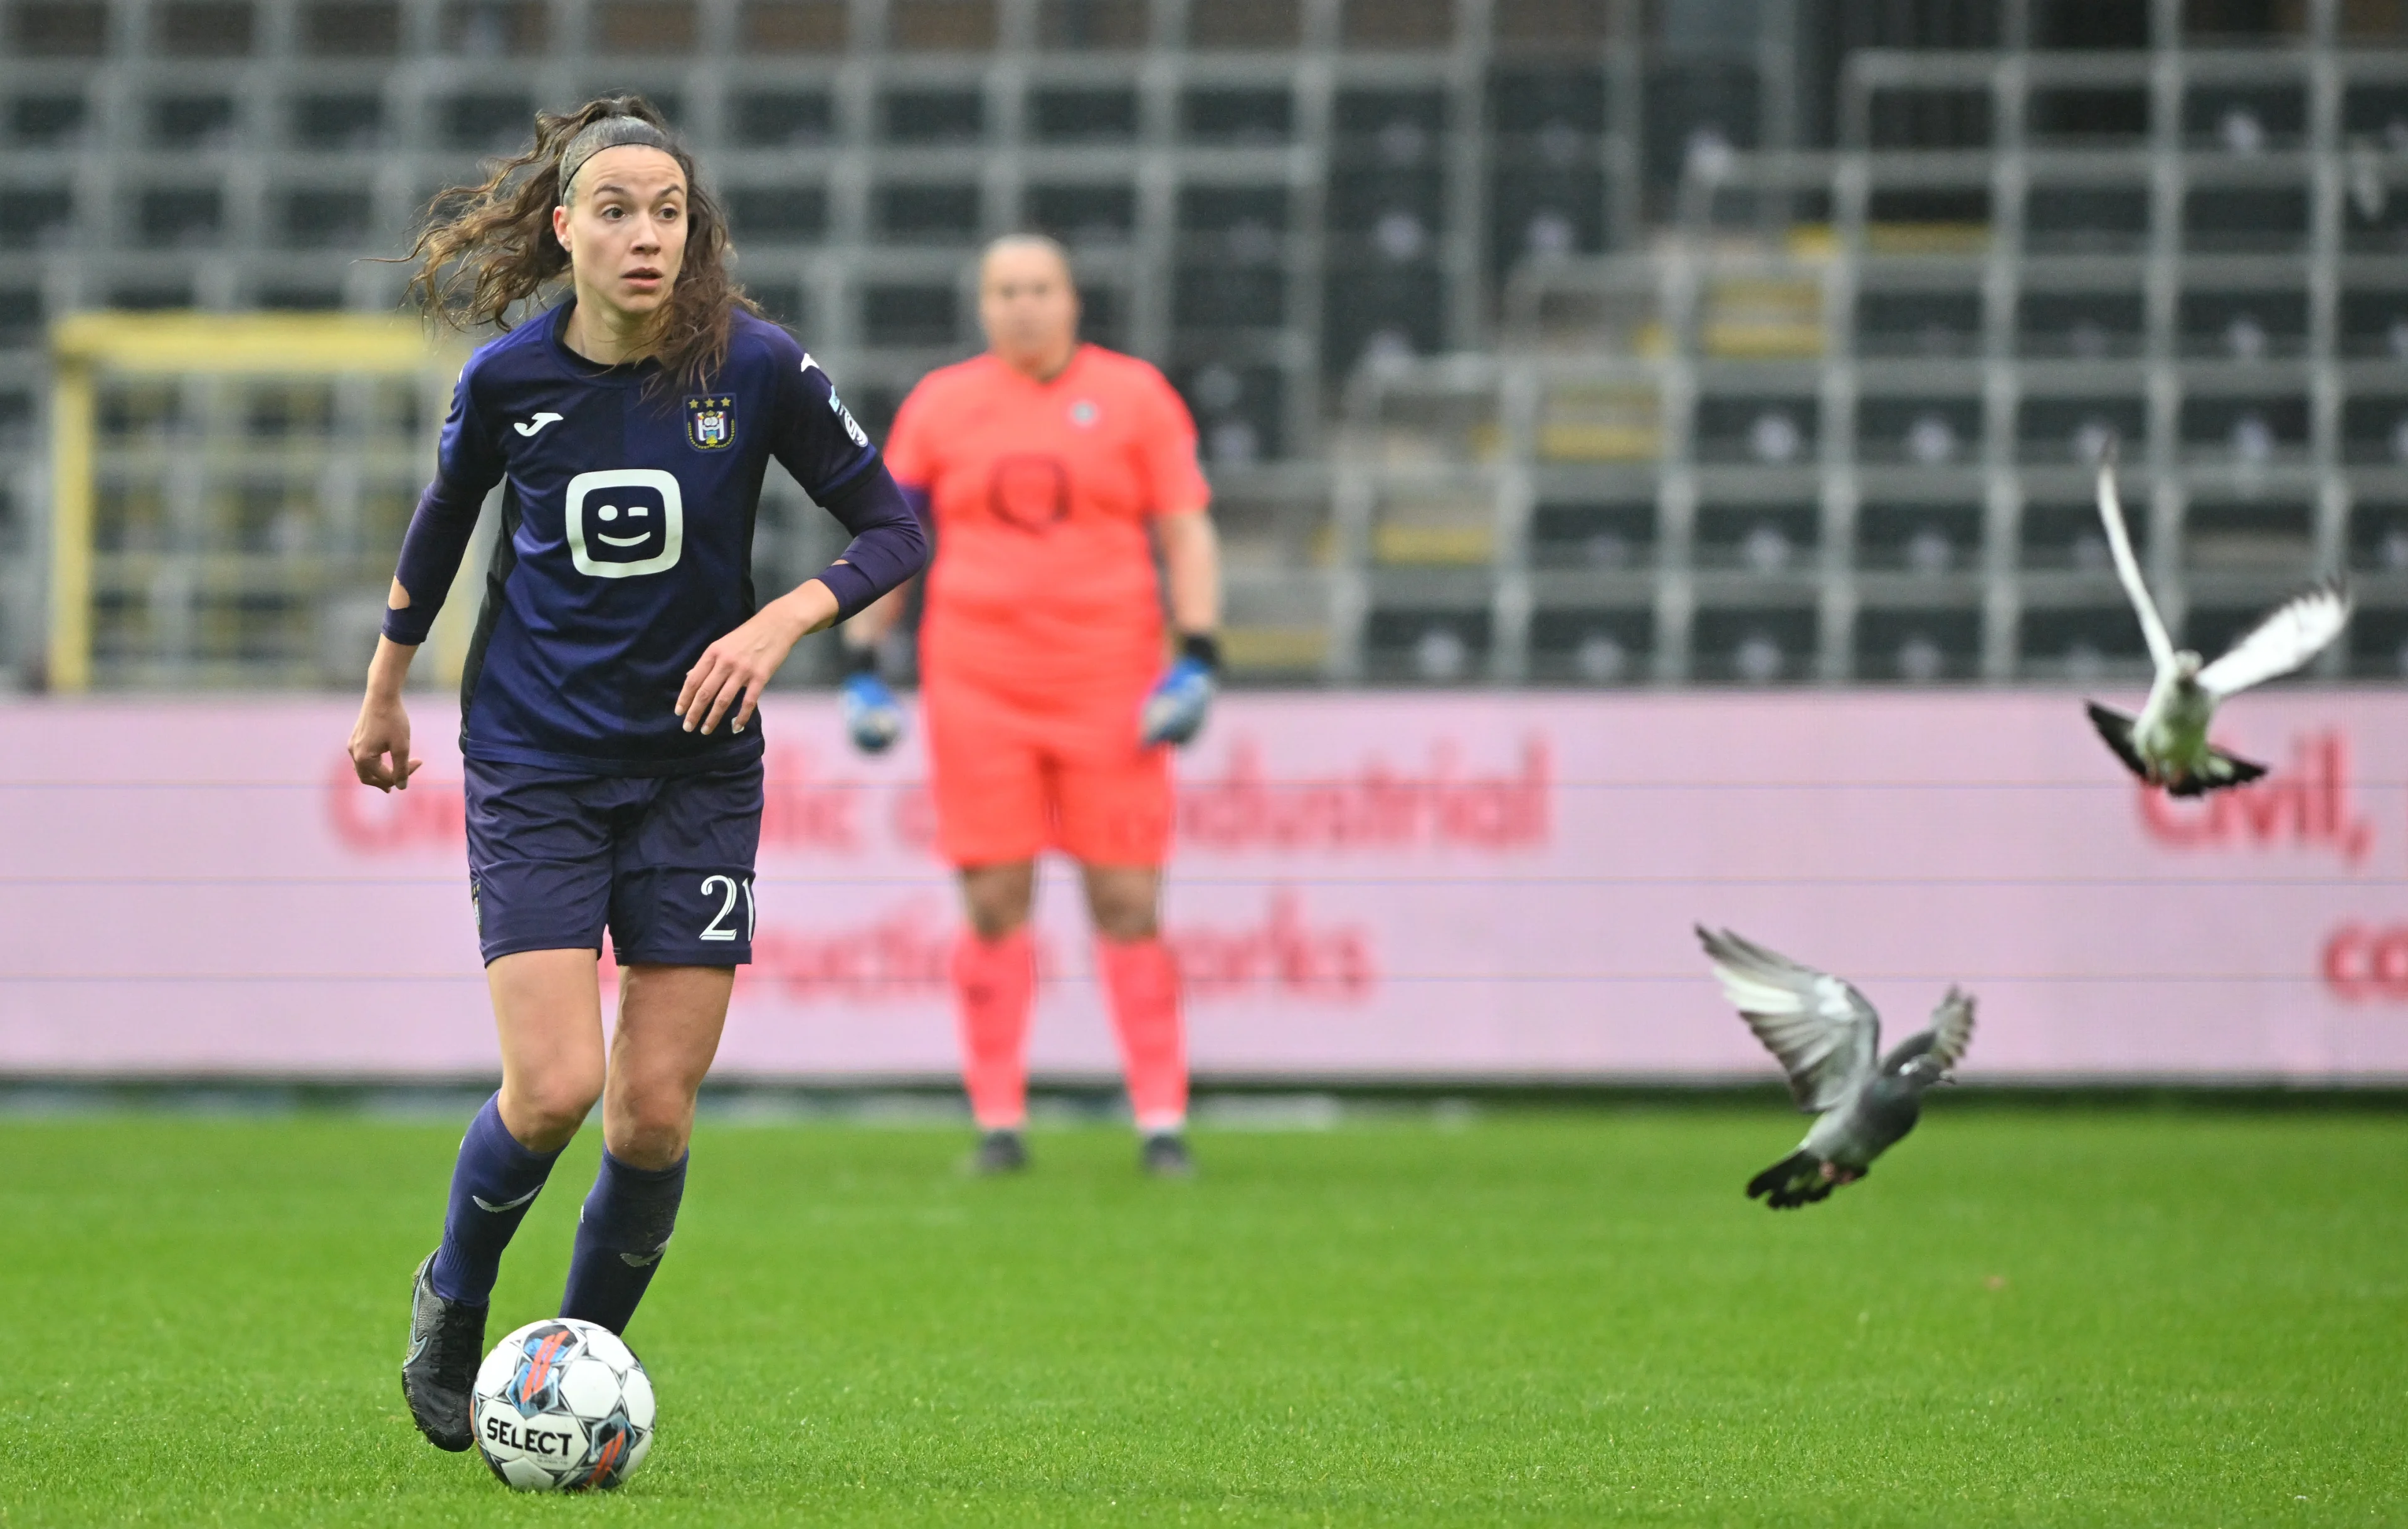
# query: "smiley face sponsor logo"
[634,513]
[625,523]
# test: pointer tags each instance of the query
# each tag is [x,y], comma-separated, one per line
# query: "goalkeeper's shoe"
[1175,707]
[447,1339]
[1165,1155]
[871,714]
[999,1152]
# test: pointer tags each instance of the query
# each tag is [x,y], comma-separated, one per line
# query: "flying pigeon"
[1825,1037]
[2167,744]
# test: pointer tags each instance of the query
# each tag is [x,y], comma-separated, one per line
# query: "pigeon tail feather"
[2224,770]
[1796,1180]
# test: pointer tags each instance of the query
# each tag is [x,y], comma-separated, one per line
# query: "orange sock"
[1141,982]
[993,983]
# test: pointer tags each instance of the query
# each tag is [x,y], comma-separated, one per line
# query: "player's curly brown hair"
[487,248]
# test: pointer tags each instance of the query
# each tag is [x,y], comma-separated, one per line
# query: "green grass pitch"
[2027,1316]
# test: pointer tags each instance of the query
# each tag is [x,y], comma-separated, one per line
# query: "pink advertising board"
[1368,886]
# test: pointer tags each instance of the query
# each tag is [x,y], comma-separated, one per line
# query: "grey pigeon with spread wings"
[2167,744]
[1828,1038]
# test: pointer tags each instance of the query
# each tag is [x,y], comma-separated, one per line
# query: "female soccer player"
[630,425]
[1045,463]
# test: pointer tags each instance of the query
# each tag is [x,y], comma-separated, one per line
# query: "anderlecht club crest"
[711,422]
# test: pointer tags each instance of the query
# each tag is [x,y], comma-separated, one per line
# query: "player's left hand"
[732,672]
[1175,709]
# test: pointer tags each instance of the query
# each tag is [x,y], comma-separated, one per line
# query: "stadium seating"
[1530,341]
[1837,422]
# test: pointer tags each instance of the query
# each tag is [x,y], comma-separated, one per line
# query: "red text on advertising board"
[426,815]
[798,812]
[1283,955]
[1373,806]
[2309,805]
[2365,961]
[902,956]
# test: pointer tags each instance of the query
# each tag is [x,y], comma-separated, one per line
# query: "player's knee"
[996,899]
[546,1110]
[1130,926]
[1123,903]
[1123,920]
[993,922]
[650,1130]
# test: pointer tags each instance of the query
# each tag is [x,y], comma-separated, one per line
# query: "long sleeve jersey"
[625,543]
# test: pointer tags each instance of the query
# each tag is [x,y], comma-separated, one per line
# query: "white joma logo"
[536,424]
[484,1203]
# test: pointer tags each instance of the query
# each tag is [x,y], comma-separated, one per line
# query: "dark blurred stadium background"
[1558,342]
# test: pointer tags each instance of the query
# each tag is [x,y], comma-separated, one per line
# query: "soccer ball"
[562,1405]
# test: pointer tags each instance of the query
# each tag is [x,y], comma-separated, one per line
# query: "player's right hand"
[382,729]
[871,714]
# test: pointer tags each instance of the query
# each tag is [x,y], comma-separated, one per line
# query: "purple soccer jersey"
[626,538]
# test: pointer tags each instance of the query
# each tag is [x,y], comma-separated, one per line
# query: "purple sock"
[492,1184]
[621,1235]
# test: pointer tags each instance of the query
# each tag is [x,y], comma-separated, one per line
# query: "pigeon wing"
[1946,1041]
[2128,569]
[1820,1028]
[2116,728]
[2292,633]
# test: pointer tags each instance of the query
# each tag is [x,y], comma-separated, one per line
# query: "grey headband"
[606,132]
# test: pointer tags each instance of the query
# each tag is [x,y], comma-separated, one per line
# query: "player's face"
[625,231]
[1027,306]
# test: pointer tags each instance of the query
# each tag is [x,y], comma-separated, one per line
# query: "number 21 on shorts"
[727,888]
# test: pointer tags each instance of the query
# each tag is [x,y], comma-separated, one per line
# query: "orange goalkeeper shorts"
[1014,772]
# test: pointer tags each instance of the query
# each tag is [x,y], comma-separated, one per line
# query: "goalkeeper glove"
[1175,709]
[871,714]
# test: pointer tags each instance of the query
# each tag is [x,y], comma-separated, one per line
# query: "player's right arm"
[383,726]
[468,463]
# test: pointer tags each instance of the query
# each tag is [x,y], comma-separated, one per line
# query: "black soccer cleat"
[999,1152]
[447,1340]
[1165,1155]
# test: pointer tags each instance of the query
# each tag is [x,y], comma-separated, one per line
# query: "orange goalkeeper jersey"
[1045,571]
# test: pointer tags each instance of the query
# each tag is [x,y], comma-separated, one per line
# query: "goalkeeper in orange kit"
[1053,470]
